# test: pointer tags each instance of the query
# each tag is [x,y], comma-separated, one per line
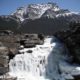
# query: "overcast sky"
[9,6]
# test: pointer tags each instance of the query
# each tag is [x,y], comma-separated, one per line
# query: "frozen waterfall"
[41,63]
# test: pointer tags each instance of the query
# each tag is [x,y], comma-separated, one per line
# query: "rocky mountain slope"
[39,18]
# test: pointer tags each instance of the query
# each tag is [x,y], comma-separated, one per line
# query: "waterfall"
[39,64]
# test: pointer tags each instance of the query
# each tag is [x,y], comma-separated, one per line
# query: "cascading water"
[39,64]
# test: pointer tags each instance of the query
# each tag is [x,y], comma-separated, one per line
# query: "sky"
[9,6]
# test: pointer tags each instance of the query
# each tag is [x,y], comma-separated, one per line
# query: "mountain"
[39,18]
[8,22]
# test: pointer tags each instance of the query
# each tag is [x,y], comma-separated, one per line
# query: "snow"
[37,9]
[19,14]
[78,68]
[56,9]
[64,14]
[75,12]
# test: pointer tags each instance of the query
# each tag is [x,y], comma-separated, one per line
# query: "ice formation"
[41,62]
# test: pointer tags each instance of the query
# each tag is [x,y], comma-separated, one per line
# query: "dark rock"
[11,55]
[5,32]
[71,39]
[41,36]
[29,51]
[31,36]
[31,40]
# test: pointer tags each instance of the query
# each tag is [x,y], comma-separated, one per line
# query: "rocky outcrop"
[7,77]
[31,40]
[4,59]
[5,55]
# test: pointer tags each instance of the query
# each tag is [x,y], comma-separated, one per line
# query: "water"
[41,64]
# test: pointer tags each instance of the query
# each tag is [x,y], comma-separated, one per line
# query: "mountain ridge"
[39,18]
[35,11]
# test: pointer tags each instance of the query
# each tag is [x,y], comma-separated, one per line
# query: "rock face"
[71,38]
[5,55]
[31,40]
[4,59]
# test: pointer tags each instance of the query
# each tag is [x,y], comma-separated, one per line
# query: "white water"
[41,64]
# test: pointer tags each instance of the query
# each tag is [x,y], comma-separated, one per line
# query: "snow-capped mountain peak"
[36,11]
[33,11]
[39,18]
